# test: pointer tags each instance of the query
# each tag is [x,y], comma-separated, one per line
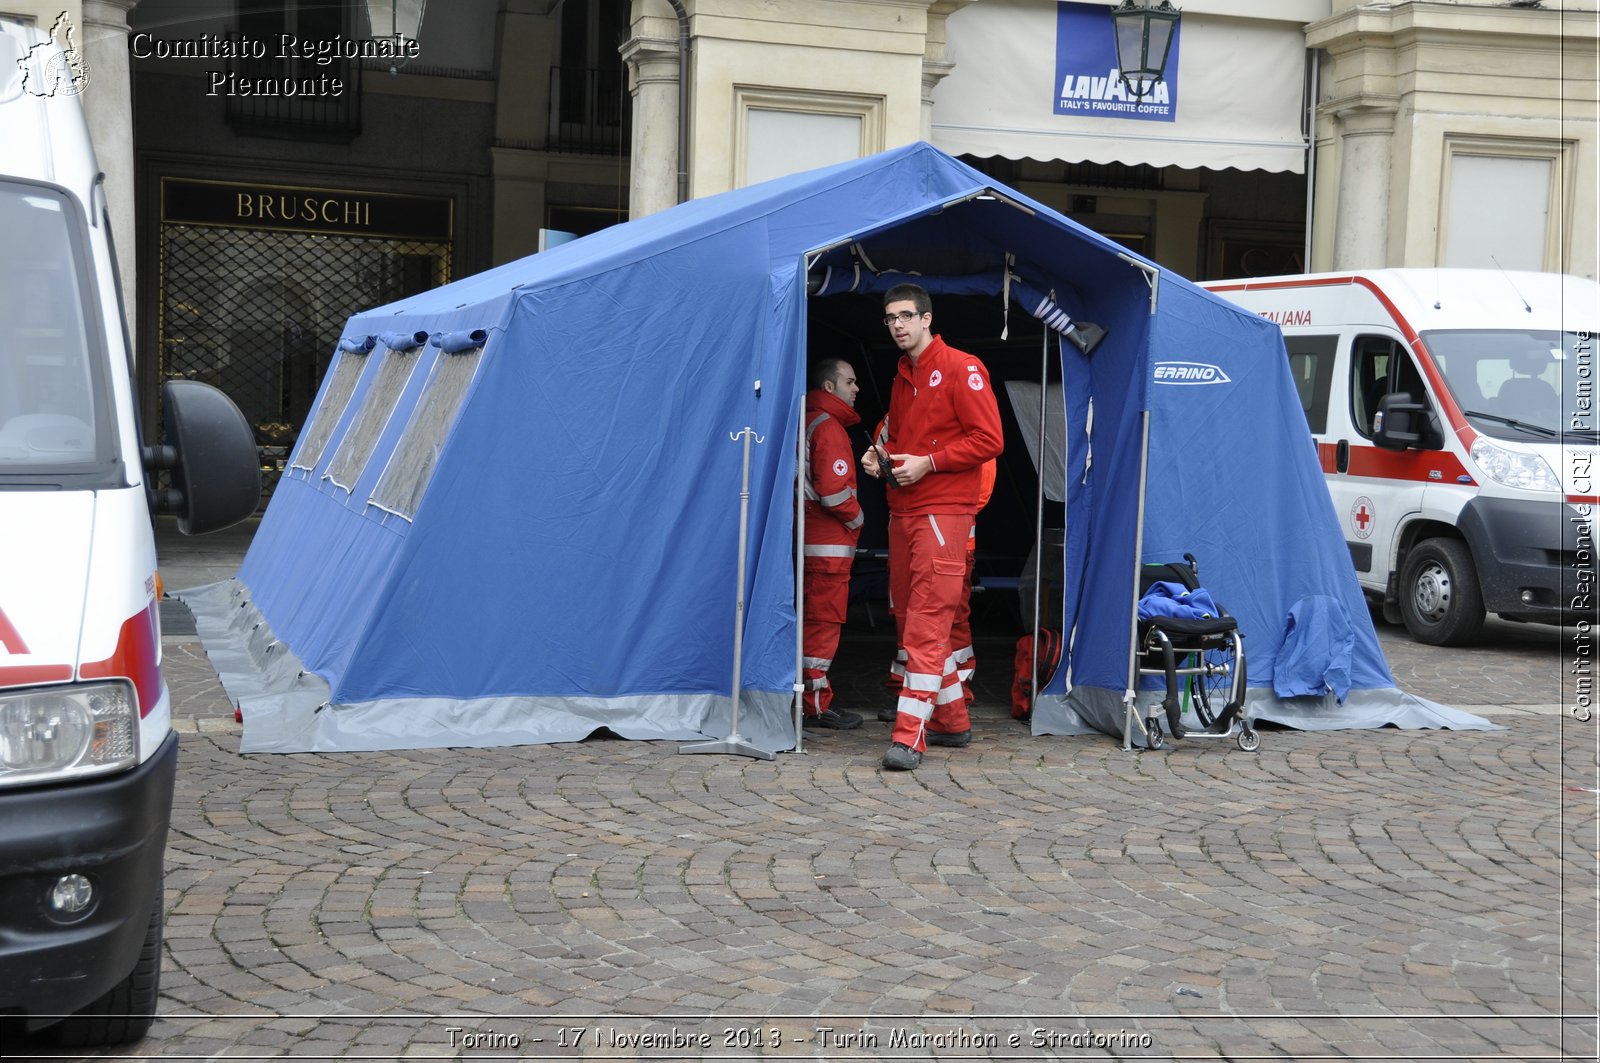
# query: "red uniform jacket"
[833,513]
[944,408]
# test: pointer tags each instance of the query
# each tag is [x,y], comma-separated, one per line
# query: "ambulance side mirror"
[211,453]
[1400,423]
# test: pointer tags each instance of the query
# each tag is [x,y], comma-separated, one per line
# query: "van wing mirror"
[211,453]
[1400,423]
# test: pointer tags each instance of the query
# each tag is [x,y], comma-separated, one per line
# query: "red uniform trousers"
[927,569]
[827,602]
[960,632]
[961,650]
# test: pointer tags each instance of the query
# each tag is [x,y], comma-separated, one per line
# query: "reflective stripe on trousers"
[927,566]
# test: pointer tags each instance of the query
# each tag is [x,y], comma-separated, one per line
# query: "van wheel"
[1439,595]
[128,1008]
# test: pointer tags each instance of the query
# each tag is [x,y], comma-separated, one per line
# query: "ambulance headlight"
[1514,468]
[51,733]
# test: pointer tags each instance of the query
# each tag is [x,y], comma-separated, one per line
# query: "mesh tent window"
[410,467]
[346,374]
[355,450]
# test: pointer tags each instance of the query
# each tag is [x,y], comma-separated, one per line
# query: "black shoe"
[901,758]
[953,739]
[888,715]
[835,720]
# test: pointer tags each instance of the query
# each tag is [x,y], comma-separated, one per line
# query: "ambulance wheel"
[1249,740]
[1439,596]
[128,1008]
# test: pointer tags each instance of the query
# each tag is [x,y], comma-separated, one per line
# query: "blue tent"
[513,515]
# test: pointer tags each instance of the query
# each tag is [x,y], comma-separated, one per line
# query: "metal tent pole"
[802,476]
[735,742]
[1038,515]
[1130,716]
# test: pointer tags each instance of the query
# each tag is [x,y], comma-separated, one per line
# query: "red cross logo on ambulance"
[1361,515]
[934,378]
[839,467]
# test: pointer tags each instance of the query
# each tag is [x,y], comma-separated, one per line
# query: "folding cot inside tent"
[567,560]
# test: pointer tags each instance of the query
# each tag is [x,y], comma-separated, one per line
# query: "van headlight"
[52,733]
[1514,468]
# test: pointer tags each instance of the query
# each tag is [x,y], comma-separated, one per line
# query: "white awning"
[1239,84]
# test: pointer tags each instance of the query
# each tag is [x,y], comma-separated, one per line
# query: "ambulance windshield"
[53,424]
[1520,384]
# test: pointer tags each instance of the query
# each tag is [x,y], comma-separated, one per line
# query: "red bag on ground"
[1029,663]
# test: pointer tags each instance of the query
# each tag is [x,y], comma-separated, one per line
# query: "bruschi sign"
[319,210]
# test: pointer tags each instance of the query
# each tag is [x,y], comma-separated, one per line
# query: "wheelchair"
[1202,663]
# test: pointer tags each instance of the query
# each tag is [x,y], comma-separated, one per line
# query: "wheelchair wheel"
[1249,740]
[1157,737]
[1213,689]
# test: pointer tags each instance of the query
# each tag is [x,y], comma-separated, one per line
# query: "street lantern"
[396,20]
[1144,36]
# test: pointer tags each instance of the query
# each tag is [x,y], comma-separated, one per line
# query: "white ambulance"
[1454,415]
[87,752]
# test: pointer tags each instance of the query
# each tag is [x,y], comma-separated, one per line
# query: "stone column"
[1366,157]
[933,72]
[653,78]
[108,103]
[935,65]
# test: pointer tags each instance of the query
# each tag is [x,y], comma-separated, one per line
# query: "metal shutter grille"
[257,313]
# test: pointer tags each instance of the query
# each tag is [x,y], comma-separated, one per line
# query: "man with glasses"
[943,424]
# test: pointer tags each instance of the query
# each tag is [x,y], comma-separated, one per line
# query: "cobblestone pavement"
[1393,895]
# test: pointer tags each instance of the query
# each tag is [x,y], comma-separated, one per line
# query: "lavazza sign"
[284,47]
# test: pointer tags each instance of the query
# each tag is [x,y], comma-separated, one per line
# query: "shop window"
[253,301]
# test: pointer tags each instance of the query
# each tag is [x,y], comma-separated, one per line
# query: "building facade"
[1457,135]
[256,207]
[1304,134]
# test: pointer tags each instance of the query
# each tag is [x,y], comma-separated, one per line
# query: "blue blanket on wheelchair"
[1177,601]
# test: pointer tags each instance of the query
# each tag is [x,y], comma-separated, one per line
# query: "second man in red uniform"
[832,527]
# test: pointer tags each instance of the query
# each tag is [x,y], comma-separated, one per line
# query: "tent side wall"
[322,555]
[580,536]
[1236,481]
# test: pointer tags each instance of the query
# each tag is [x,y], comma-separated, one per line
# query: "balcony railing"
[292,98]
[588,111]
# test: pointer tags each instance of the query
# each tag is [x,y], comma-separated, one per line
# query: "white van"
[1454,415]
[87,752]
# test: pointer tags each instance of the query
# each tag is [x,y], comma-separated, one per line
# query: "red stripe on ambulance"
[135,658]
[27,675]
[10,637]
[1423,466]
